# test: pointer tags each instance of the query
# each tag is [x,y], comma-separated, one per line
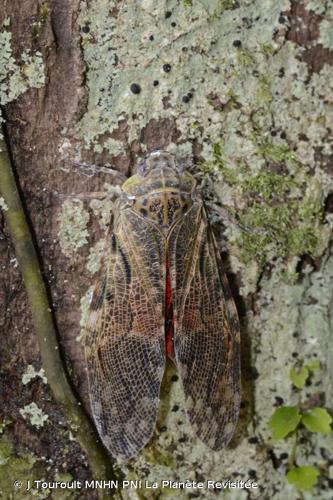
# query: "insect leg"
[225,214]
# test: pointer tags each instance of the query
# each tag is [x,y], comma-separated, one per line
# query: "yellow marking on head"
[132,181]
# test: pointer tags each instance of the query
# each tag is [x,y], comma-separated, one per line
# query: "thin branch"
[77,419]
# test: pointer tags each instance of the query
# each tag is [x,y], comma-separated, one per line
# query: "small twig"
[77,419]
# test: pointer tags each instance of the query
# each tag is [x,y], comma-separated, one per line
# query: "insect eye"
[142,168]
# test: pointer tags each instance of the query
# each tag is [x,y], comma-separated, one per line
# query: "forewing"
[206,330]
[124,337]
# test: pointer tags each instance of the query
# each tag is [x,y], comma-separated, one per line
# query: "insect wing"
[124,336]
[206,330]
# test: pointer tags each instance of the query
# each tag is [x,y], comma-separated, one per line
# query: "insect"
[162,292]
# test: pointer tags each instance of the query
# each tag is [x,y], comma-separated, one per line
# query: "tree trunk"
[245,90]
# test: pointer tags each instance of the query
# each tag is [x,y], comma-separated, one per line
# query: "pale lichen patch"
[102,208]
[246,90]
[326,33]
[85,311]
[3,204]
[73,233]
[180,62]
[16,76]
[31,373]
[96,253]
[35,415]
[317,6]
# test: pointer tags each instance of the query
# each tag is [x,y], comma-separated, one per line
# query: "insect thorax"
[163,207]
[163,195]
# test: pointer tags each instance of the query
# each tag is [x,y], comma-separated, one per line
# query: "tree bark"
[244,88]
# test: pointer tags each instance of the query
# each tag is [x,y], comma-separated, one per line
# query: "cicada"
[162,293]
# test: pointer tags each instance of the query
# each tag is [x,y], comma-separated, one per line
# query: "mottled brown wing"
[124,337]
[206,330]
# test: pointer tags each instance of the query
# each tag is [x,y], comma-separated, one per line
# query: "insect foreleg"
[90,169]
[226,214]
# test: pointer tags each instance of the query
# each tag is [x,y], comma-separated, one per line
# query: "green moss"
[245,57]
[21,466]
[43,16]
[279,152]
[61,493]
[264,94]
[44,12]
[227,4]
[36,30]
[280,235]
[302,241]
[269,185]
[283,209]
[6,449]
[268,49]
[284,232]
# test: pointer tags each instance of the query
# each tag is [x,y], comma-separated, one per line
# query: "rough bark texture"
[246,89]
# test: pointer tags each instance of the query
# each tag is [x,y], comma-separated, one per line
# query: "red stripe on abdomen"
[169,323]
